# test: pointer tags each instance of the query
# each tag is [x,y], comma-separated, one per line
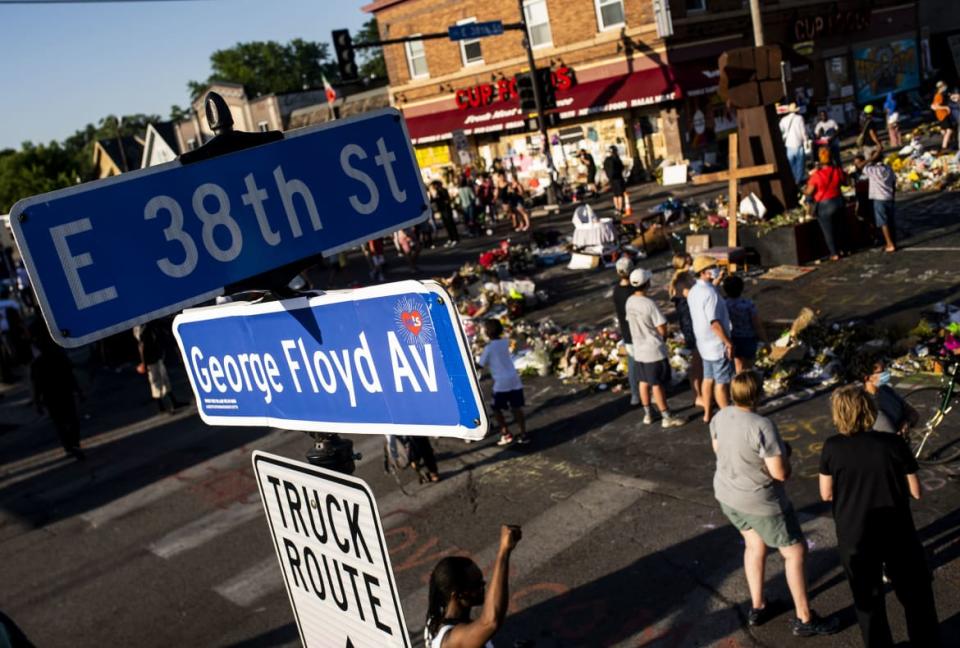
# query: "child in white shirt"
[507,386]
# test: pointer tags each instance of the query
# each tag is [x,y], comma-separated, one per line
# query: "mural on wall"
[886,67]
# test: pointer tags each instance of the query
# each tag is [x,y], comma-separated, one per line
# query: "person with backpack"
[457,586]
[794,133]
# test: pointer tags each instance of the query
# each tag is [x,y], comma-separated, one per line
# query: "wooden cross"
[732,175]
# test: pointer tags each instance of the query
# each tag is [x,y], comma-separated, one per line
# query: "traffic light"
[528,102]
[548,94]
[346,57]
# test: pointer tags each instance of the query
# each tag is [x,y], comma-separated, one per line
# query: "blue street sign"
[388,359]
[108,255]
[475,30]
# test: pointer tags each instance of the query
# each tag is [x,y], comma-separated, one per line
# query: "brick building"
[618,83]
[839,56]
[614,85]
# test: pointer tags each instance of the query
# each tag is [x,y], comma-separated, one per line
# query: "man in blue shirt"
[711,325]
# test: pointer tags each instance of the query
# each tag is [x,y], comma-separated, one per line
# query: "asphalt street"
[159,538]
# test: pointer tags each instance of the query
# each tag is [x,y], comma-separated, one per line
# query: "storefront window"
[538,22]
[609,13]
[838,77]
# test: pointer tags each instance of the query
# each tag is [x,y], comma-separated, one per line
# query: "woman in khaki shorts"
[752,465]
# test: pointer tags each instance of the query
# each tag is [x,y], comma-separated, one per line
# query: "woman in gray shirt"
[752,465]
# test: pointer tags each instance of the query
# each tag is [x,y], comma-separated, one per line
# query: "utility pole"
[757,20]
[538,99]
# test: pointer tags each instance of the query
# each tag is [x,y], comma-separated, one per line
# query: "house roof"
[132,148]
[377,5]
[168,132]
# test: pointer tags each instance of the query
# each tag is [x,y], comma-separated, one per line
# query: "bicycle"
[936,439]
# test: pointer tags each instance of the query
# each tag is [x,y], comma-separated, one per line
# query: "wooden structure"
[733,175]
[751,82]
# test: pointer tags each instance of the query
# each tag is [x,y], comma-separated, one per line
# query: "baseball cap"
[624,265]
[640,277]
[701,263]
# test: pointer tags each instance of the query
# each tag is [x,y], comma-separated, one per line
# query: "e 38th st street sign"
[107,255]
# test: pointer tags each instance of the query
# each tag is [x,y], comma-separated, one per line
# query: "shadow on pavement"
[282,636]
[629,604]
[122,466]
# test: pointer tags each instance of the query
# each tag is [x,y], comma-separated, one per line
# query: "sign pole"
[538,98]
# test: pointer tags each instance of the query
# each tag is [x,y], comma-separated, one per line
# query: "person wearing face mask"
[711,326]
[894,414]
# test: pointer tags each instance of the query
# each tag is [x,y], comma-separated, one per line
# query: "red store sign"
[505,90]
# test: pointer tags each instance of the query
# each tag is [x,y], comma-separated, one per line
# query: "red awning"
[643,88]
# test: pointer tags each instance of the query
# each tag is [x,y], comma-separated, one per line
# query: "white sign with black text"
[333,555]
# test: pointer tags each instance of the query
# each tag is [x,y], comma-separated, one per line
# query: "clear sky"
[63,66]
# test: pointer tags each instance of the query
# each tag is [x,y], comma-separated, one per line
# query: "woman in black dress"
[870,476]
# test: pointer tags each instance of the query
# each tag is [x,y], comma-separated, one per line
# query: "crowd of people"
[875,180]
[866,471]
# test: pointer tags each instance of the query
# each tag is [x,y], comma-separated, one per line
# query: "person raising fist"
[457,586]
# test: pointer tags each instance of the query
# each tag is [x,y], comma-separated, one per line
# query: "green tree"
[33,170]
[178,114]
[38,168]
[265,67]
[371,62]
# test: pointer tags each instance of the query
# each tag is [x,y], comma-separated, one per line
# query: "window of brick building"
[416,59]
[609,14]
[263,126]
[538,23]
[470,49]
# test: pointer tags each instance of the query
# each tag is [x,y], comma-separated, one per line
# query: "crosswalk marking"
[203,530]
[162,488]
[208,527]
[251,585]
[264,578]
